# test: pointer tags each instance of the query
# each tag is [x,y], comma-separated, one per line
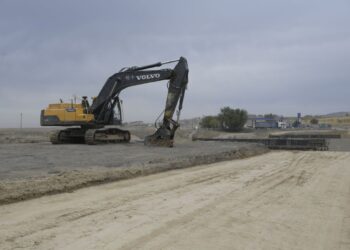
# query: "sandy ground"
[279,200]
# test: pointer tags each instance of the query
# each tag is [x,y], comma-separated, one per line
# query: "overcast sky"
[265,56]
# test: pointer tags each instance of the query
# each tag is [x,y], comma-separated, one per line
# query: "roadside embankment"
[35,170]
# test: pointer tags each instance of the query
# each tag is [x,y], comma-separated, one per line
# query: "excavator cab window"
[85,104]
[117,116]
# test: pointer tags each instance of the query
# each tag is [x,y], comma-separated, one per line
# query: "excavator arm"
[164,136]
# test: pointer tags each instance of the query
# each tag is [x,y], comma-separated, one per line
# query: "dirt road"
[280,200]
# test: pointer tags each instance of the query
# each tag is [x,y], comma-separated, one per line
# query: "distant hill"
[337,114]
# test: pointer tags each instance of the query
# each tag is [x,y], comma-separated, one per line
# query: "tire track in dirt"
[280,182]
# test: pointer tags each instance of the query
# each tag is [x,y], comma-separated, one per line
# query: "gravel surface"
[31,170]
[44,159]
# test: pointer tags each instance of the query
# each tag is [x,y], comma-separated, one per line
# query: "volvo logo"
[148,77]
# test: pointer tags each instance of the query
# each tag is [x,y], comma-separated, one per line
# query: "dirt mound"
[22,189]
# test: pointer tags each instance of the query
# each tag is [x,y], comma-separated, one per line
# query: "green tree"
[232,119]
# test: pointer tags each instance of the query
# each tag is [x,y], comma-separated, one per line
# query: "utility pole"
[21,121]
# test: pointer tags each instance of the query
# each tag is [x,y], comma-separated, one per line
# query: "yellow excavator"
[87,123]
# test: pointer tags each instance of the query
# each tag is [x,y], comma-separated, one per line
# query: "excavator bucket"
[163,137]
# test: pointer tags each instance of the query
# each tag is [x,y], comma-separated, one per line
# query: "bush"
[210,122]
[228,119]
[232,119]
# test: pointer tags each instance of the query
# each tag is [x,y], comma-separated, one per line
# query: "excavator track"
[68,136]
[90,136]
[55,137]
[106,135]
